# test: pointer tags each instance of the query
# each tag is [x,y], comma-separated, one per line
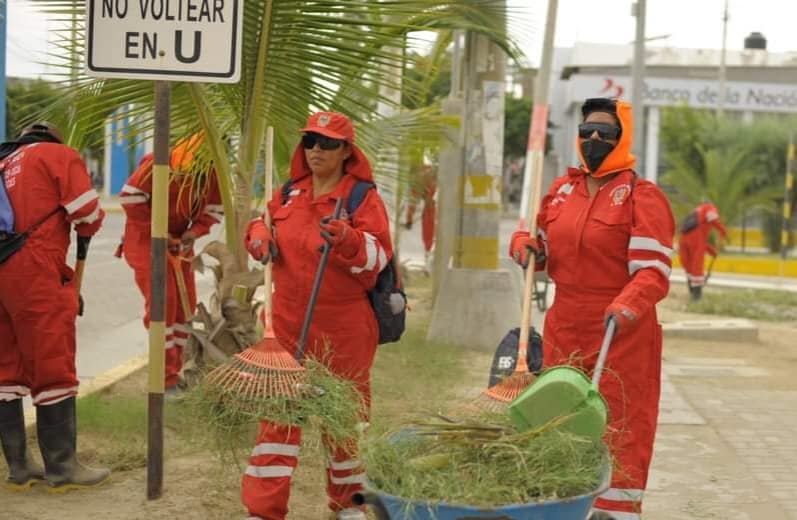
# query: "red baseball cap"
[335,126]
[331,124]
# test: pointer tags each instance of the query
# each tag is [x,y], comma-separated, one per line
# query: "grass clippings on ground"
[756,304]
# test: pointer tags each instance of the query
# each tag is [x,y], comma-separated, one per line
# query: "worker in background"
[606,237]
[424,186]
[194,207]
[694,243]
[49,188]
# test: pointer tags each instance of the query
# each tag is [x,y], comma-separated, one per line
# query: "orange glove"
[625,318]
[341,236]
[521,245]
[259,241]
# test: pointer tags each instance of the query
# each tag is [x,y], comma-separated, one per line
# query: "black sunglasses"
[326,143]
[605,130]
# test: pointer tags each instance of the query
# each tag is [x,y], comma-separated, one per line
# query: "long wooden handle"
[176,262]
[535,158]
[268,189]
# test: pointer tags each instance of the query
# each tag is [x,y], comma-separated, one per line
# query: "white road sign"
[178,40]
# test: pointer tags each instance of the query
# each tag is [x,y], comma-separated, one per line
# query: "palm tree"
[726,177]
[297,56]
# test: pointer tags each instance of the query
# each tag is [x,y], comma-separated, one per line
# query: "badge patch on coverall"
[619,194]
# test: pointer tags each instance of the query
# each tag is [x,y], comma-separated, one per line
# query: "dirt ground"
[700,471]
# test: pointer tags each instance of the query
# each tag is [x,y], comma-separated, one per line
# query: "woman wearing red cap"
[606,237]
[326,165]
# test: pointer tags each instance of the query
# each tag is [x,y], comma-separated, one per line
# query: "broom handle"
[611,326]
[531,223]
[268,188]
[319,275]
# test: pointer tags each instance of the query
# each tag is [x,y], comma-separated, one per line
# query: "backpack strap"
[286,191]
[357,195]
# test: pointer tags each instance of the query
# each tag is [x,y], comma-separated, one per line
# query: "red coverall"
[426,187]
[613,249]
[190,208]
[693,243]
[343,333]
[38,301]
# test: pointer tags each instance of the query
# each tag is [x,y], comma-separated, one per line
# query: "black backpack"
[505,358]
[388,299]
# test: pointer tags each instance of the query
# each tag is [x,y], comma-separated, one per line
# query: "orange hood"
[621,157]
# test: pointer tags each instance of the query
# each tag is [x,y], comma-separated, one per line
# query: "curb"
[99,382]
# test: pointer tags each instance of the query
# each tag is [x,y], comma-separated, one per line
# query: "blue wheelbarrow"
[389,507]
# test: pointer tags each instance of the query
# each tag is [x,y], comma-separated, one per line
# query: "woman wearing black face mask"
[607,240]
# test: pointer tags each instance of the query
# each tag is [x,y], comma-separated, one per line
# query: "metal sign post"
[162,42]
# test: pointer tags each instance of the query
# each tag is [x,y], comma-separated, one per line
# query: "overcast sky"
[689,23]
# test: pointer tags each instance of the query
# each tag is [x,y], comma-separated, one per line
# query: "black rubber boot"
[57,428]
[22,471]
[600,515]
[697,292]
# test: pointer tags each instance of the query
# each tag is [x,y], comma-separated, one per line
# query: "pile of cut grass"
[482,462]
[330,403]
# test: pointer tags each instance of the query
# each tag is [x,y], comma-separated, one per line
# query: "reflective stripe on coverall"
[343,334]
[693,244]
[191,210]
[38,301]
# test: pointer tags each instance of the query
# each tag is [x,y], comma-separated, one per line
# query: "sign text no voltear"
[179,40]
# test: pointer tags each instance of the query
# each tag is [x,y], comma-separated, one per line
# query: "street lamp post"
[722,71]
[637,79]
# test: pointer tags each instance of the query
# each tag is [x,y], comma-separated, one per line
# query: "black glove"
[80,305]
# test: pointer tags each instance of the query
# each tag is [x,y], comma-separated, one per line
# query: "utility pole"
[451,155]
[638,81]
[471,308]
[722,71]
[535,152]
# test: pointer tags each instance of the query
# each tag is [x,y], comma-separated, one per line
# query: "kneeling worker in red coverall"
[50,191]
[606,236]
[693,244]
[194,207]
[326,165]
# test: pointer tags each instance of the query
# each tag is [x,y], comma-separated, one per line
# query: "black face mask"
[594,152]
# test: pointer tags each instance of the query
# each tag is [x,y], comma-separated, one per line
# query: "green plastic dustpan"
[566,393]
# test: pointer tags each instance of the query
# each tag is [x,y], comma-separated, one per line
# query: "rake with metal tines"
[267,370]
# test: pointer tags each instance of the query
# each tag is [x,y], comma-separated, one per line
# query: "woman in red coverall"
[606,236]
[693,244]
[194,207]
[50,192]
[325,167]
